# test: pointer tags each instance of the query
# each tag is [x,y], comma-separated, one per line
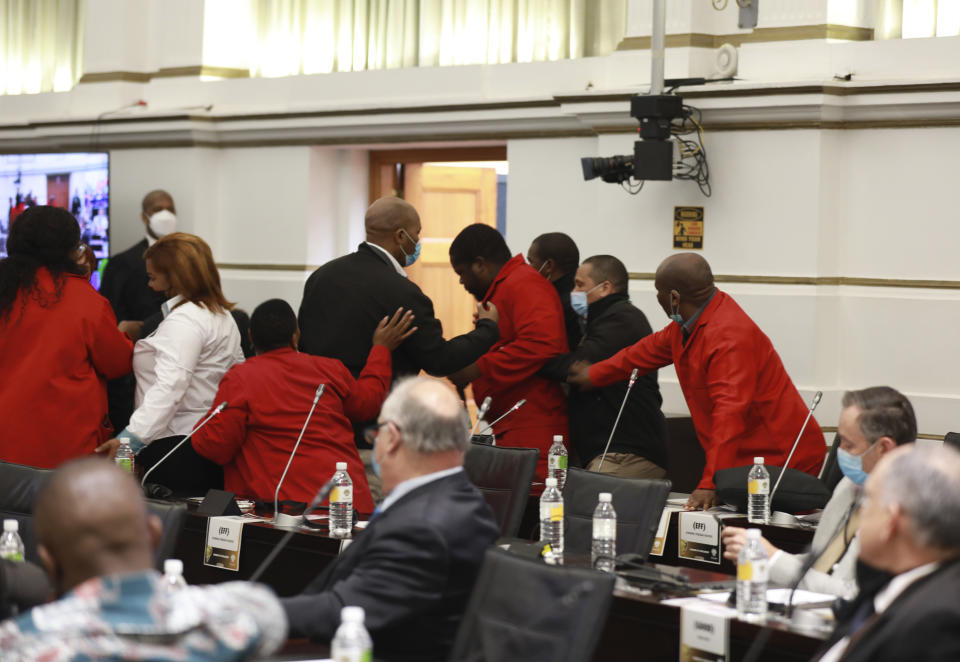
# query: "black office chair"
[19,485]
[831,474]
[952,439]
[172,515]
[523,609]
[638,504]
[503,475]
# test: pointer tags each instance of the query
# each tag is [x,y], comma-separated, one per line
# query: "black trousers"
[185,472]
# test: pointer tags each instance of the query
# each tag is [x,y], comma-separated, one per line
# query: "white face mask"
[163,223]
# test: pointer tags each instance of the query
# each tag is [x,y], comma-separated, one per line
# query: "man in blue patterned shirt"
[96,543]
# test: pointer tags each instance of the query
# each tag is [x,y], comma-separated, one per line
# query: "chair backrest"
[172,515]
[952,439]
[523,609]
[685,457]
[831,474]
[19,485]
[638,503]
[503,475]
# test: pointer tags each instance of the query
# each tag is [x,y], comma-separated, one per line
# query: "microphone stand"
[813,406]
[282,519]
[633,378]
[219,408]
[512,409]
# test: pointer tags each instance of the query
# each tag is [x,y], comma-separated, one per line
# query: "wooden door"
[449,198]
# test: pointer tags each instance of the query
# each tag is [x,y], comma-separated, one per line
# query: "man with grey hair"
[413,568]
[873,422]
[908,528]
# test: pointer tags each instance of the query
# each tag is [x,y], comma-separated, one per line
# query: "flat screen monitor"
[77,182]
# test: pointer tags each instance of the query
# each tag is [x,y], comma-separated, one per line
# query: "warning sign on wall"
[688,227]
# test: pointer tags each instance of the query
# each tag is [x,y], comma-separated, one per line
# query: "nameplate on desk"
[698,537]
[660,538]
[704,633]
[223,543]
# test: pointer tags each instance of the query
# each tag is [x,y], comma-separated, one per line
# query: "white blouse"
[178,369]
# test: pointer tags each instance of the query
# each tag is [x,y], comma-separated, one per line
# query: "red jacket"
[54,360]
[741,399]
[268,399]
[531,331]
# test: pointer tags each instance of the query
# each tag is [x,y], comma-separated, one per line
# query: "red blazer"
[531,331]
[268,399]
[741,399]
[54,360]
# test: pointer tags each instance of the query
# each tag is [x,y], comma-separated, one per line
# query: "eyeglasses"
[370,434]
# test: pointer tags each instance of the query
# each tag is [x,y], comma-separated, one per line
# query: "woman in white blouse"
[179,366]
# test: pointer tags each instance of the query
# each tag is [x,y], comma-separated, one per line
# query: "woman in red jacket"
[59,342]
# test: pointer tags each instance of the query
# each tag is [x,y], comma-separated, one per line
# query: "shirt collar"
[170,304]
[688,325]
[393,260]
[150,240]
[899,584]
[411,484]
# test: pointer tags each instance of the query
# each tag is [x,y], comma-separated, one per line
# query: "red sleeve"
[732,383]
[365,396]
[111,351]
[648,354]
[539,334]
[221,437]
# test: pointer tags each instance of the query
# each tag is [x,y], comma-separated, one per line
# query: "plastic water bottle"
[752,579]
[604,547]
[557,461]
[551,522]
[352,642]
[11,546]
[173,575]
[758,493]
[124,457]
[341,503]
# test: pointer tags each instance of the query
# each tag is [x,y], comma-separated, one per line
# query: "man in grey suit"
[413,568]
[873,422]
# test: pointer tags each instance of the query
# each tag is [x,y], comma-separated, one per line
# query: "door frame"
[383,163]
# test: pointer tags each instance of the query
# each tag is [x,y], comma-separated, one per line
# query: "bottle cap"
[558,437]
[606,497]
[753,534]
[125,440]
[352,615]
[551,482]
[758,460]
[341,466]
[173,567]
[11,525]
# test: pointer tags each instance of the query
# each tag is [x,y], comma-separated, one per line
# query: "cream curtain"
[322,36]
[41,45]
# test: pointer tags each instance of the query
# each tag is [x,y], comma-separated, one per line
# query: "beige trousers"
[627,465]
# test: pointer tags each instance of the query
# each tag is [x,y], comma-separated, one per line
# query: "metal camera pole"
[657,46]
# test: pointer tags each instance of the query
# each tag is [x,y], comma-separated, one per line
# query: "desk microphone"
[520,403]
[322,494]
[633,378]
[276,496]
[480,414]
[816,401]
[219,408]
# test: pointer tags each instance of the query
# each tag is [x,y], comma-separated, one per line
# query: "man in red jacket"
[531,331]
[741,399]
[269,397]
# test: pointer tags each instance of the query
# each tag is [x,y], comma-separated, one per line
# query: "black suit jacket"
[345,299]
[922,623]
[125,285]
[412,570]
[612,324]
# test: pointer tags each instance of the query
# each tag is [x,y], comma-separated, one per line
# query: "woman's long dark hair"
[40,237]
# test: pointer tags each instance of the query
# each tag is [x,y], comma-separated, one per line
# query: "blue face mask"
[578,301]
[410,258]
[373,463]
[852,465]
[675,315]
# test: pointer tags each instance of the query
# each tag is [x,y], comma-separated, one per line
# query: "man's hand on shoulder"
[486,311]
[392,331]
[579,375]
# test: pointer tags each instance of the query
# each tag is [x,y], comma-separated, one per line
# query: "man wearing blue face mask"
[873,422]
[345,299]
[638,448]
